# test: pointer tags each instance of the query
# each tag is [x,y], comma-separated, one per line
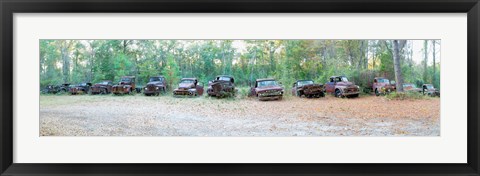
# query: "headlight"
[156,88]
[145,88]
[124,87]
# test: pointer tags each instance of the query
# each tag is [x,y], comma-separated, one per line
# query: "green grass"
[406,96]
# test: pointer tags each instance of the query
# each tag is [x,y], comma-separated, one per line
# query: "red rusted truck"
[125,86]
[104,87]
[381,86]
[221,86]
[189,87]
[155,86]
[82,88]
[308,89]
[341,87]
[267,89]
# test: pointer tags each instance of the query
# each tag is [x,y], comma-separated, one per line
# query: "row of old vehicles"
[224,86]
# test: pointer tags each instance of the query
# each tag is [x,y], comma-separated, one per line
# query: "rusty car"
[267,89]
[409,87]
[125,86]
[382,86]
[50,89]
[308,89]
[104,87]
[64,87]
[189,87]
[339,86]
[221,86]
[428,89]
[155,86]
[82,88]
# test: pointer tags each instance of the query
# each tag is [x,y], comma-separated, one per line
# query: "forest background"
[76,61]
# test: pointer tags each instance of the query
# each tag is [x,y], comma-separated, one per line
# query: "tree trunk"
[433,54]
[397,67]
[425,60]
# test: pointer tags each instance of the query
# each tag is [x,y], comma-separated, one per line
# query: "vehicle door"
[294,89]
[199,87]
[252,89]
[375,84]
[330,86]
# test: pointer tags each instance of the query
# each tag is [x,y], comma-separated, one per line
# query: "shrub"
[405,96]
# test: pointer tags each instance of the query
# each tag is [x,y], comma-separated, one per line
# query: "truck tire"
[337,93]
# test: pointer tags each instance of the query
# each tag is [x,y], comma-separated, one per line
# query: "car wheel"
[377,93]
[337,93]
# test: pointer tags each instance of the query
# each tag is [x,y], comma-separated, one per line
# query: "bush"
[405,96]
[243,92]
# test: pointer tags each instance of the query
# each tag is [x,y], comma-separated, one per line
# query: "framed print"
[239,88]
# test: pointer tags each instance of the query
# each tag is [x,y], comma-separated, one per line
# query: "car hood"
[312,85]
[346,84]
[411,88]
[259,89]
[385,84]
[98,85]
[155,83]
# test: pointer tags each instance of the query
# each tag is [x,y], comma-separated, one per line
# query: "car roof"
[128,76]
[225,76]
[157,77]
[380,78]
[304,80]
[189,78]
[336,76]
[266,79]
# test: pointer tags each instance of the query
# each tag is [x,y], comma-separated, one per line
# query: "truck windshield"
[126,79]
[341,79]
[152,79]
[409,86]
[223,78]
[302,83]
[267,83]
[104,82]
[429,86]
[383,80]
[187,81]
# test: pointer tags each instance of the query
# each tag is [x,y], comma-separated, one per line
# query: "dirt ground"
[138,115]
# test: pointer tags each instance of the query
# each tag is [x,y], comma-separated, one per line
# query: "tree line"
[75,61]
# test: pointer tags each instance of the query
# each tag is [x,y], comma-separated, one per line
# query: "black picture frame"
[9,7]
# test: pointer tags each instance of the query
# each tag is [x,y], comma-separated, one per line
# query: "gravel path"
[86,115]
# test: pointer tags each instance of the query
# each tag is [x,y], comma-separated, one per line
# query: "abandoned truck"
[51,89]
[428,89]
[82,88]
[409,87]
[267,89]
[381,86]
[64,87]
[155,86]
[341,87]
[221,86]
[189,87]
[104,87]
[308,89]
[125,86]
